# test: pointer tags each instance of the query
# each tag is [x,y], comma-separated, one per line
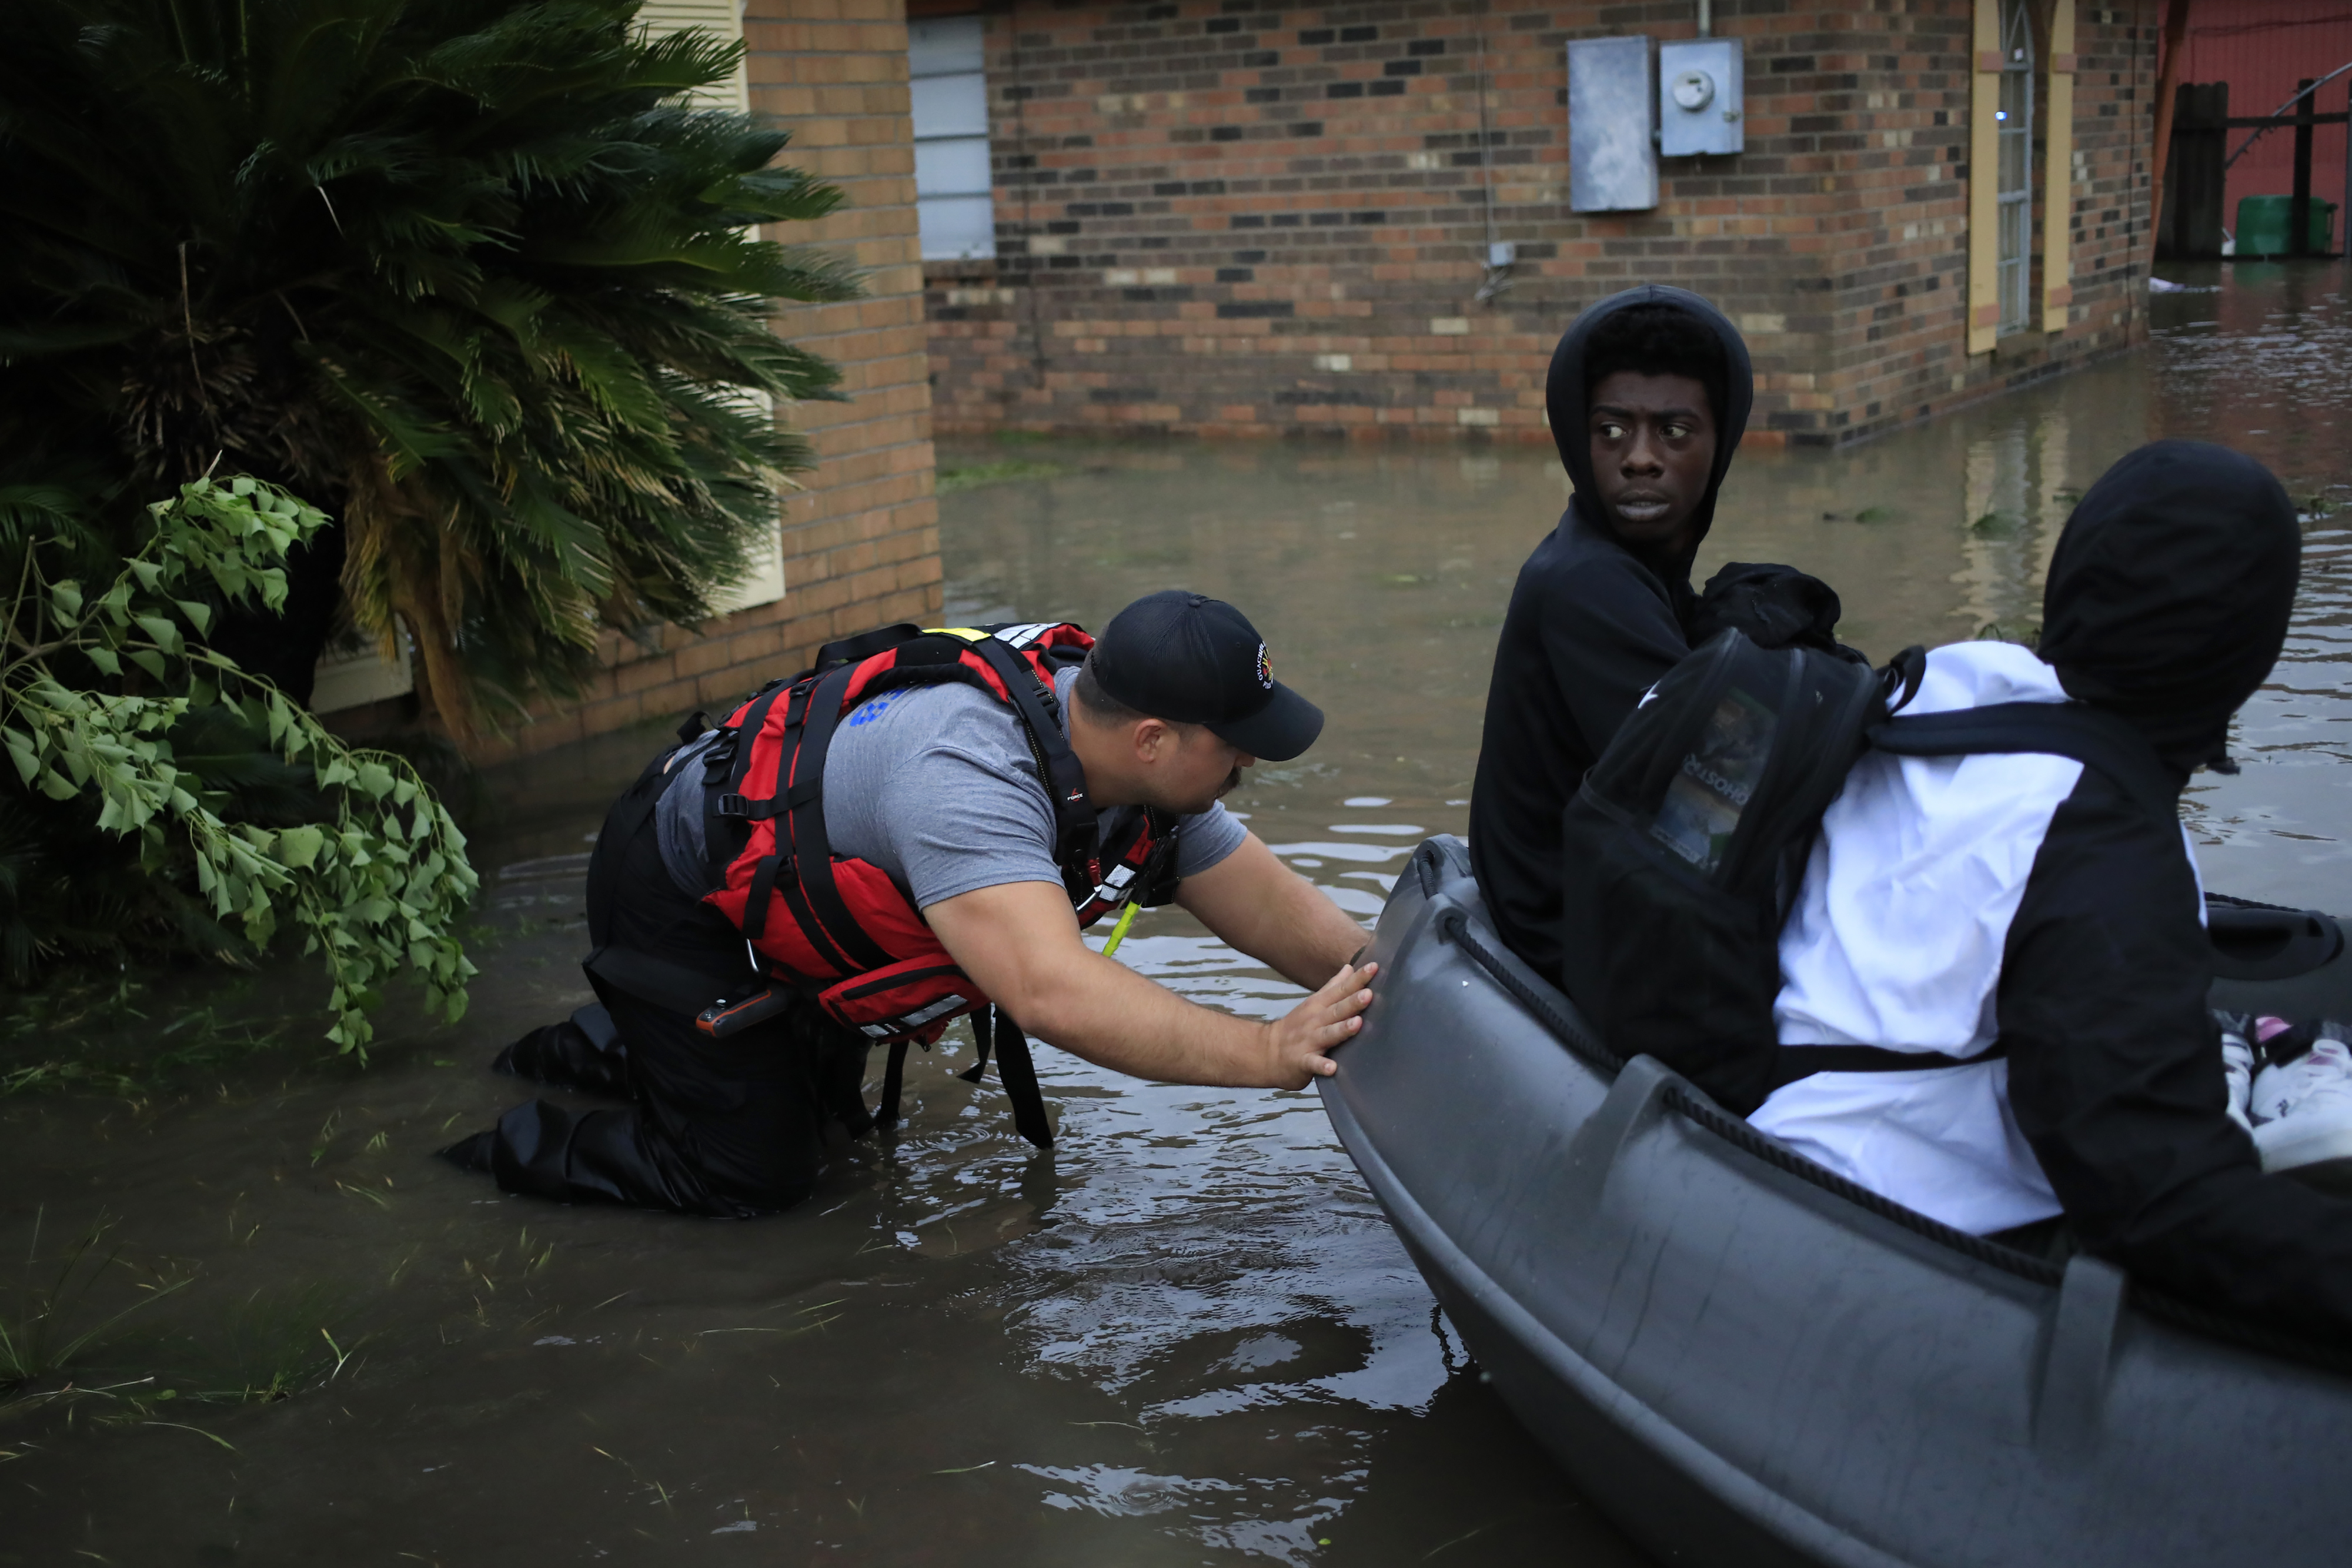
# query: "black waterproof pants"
[731,1127]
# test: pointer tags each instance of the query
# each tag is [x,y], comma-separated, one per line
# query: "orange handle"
[727,1018]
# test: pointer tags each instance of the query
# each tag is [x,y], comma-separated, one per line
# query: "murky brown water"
[1188,1336]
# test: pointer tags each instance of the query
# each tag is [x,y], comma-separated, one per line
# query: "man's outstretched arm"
[1020,941]
[1253,902]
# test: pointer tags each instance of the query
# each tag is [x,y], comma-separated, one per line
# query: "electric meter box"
[1700,107]
[1612,147]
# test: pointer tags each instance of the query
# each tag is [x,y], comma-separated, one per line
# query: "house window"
[2015,180]
[950,98]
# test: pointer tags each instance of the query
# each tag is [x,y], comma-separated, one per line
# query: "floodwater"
[1185,1337]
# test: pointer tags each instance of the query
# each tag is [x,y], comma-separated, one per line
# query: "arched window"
[2015,165]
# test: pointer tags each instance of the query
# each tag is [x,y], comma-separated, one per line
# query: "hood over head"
[1565,403]
[2169,591]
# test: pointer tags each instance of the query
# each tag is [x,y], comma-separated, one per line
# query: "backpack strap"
[2092,736]
[1797,1061]
[1065,778]
[984,1037]
[807,883]
[864,645]
[894,1085]
[1018,1074]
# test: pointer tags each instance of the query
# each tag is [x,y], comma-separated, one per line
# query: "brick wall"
[860,540]
[1237,216]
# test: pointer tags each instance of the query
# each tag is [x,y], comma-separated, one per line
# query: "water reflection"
[1186,1335]
[2017,498]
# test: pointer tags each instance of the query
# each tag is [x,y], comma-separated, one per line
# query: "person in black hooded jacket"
[1648,395]
[2042,918]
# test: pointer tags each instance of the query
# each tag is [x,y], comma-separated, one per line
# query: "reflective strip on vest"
[886,1029]
[1017,635]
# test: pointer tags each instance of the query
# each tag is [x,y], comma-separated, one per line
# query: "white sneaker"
[2302,1112]
[2238,1068]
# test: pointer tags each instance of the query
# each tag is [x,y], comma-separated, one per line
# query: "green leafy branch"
[376,886]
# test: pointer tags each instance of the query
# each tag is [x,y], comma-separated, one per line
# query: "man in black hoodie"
[2042,919]
[1648,395]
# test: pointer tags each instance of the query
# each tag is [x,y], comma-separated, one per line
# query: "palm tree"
[472,274]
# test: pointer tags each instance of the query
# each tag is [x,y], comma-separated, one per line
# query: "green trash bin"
[2265,225]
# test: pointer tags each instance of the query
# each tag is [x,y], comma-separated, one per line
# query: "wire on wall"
[1501,256]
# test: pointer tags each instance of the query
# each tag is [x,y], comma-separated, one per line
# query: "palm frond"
[475,274]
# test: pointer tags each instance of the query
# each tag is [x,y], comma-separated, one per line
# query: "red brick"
[1830,216]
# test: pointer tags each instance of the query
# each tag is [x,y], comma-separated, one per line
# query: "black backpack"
[1684,849]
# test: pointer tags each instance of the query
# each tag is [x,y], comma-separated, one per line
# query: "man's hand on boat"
[1020,941]
[1329,1018]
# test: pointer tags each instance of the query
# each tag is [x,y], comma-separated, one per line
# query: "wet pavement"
[1185,1337]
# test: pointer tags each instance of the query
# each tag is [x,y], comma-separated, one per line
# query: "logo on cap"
[1264,667]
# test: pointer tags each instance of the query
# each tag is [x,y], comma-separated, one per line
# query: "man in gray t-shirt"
[936,785]
[939,788]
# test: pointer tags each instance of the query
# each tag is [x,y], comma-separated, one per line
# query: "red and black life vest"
[837,928]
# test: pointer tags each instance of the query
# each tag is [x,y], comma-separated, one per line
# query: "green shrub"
[141,750]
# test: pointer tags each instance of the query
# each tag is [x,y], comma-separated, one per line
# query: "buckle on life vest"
[1113,887]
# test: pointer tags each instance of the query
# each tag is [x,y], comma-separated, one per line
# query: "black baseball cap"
[1195,660]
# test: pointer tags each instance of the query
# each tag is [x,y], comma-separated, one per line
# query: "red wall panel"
[2262,48]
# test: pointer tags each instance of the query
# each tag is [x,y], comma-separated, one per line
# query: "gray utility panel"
[1613,150]
[1699,102]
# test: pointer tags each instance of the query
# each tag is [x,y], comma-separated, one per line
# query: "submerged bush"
[165,799]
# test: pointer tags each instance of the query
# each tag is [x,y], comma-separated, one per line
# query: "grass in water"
[972,477]
[67,1362]
[46,1335]
[94,1036]
[275,1345]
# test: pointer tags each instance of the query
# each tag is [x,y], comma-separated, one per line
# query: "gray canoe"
[1743,1364]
